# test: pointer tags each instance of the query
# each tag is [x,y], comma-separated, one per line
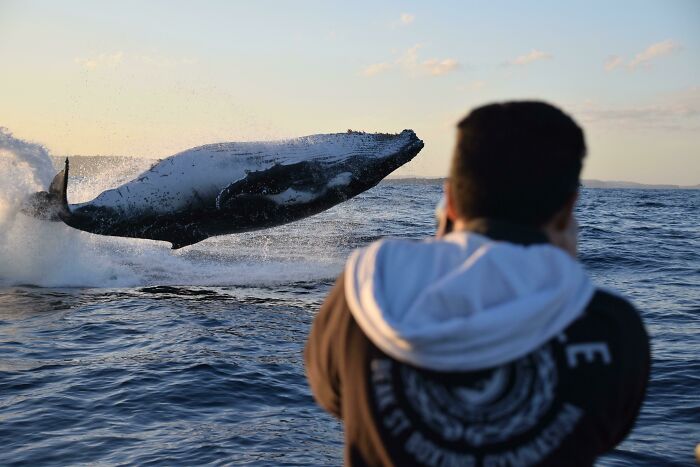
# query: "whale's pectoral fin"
[51,205]
[284,193]
[59,186]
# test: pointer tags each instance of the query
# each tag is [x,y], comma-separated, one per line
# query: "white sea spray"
[39,252]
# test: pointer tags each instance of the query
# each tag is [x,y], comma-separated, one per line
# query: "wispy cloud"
[376,69]
[440,67]
[103,60]
[654,51]
[613,62]
[407,18]
[533,56]
[116,59]
[679,111]
[410,63]
[645,58]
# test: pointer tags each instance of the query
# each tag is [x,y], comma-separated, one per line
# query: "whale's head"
[336,167]
[372,156]
[387,152]
[382,145]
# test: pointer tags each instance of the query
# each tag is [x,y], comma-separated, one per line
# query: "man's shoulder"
[607,300]
[613,315]
[612,323]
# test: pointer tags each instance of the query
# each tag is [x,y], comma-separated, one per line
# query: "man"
[488,346]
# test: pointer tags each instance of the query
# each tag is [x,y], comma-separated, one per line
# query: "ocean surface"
[117,351]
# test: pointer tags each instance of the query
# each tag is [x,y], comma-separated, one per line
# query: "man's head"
[516,161]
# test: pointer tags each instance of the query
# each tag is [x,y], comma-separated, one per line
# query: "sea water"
[122,351]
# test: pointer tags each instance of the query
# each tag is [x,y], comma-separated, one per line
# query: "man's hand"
[566,238]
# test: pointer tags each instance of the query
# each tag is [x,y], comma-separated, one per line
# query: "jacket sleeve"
[322,354]
[636,354]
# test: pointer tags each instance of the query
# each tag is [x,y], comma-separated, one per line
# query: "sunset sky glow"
[149,79]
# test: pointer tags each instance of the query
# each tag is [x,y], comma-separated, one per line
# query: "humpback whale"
[235,187]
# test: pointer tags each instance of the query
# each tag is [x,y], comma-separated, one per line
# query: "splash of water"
[33,251]
[26,168]
[35,156]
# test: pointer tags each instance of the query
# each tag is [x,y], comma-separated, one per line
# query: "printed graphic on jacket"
[514,415]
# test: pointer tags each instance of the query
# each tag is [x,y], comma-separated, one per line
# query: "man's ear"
[449,201]
[561,219]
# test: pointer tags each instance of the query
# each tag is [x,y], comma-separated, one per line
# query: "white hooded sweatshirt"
[465,302]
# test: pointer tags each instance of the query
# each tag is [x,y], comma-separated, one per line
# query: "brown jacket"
[569,401]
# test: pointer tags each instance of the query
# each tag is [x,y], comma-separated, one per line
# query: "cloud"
[440,67]
[645,58]
[411,64]
[613,62]
[654,51]
[407,18]
[678,111]
[376,69]
[151,59]
[102,60]
[533,56]
[409,59]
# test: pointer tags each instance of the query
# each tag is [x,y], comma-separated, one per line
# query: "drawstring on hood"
[465,302]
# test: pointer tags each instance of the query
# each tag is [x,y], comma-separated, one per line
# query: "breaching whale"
[233,187]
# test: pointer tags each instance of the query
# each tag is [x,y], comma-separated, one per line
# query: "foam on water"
[51,254]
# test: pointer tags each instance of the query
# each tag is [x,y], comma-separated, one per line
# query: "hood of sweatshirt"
[465,302]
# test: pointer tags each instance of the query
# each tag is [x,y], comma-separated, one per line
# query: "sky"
[152,78]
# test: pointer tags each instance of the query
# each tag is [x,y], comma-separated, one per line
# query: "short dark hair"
[516,161]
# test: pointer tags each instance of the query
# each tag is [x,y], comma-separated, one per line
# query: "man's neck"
[502,230]
[522,234]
